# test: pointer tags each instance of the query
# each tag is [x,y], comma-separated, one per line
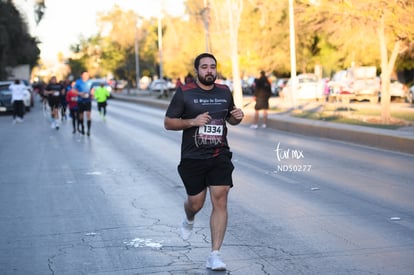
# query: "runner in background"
[84,102]
[101,95]
[53,91]
[72,100]
[63,102]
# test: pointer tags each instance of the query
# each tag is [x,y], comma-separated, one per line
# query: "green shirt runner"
[101,94]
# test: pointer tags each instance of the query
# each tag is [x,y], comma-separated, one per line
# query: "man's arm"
[178,124]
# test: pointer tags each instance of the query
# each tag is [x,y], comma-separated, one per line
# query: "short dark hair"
[200,56]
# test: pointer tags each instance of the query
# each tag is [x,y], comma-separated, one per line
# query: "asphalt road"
[111,203]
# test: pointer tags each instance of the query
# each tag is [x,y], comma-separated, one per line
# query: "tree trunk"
[385,76]
[235,10]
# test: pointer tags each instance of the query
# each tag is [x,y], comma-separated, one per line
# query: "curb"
[379,138]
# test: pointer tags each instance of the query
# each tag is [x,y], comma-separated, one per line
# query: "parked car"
[118,85]
[361,83]
[227,82]
[410,95]
[31,91]
[160,85]
[397,89]
[280,84]
[247,85]
[308,87]
[6,95]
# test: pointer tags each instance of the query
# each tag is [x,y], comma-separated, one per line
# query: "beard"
[208,79]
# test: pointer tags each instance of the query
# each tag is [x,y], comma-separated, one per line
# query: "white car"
[397,89]
[159,85]
[308,87]
[6,96]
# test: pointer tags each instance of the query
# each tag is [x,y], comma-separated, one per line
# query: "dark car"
[5,98]
[247,85]
[280,84]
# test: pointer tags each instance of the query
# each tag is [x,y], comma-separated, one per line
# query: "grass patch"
[341,118]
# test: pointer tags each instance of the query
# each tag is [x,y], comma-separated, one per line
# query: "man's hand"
[237,113]
[236,116]
[201,119]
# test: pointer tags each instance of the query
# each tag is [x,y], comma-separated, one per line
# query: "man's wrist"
[191,123]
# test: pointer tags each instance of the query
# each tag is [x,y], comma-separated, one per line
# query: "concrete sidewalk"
[401,140]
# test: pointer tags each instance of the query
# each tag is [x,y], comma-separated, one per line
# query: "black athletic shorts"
[54,102]
[198,174]
[84,107]
[102,104]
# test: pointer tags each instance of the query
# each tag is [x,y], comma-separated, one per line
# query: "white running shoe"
[264,125]
[214,262]
[186,229]
[254,126]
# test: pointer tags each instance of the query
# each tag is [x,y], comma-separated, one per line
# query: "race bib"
[211,130]
[211,134]
[56,93]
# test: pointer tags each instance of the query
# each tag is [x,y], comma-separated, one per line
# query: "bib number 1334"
[211,130]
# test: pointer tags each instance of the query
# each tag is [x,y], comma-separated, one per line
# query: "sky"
[65,20]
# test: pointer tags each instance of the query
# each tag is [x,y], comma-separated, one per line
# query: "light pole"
[206,18]
[163,91]
[160,43]
[293,77]
[137,73]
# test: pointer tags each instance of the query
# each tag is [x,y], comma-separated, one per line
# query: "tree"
[16,45]
[264,37]
[183,39]
[362,24]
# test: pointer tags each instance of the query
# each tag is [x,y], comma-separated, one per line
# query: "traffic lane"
[110,203]
[305,240]
[340,210]
[320,224]
[129,132]
[329,213]
[85,207]
[385,174]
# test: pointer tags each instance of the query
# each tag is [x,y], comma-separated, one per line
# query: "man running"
[72,99]
[201,109]
[53,91]
[101,95]
[84,103]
